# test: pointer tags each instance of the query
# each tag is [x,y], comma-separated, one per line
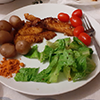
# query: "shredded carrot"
[9,67]
[22,64]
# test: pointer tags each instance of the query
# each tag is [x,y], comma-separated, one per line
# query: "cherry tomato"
[78,30]
[75,21]
[85,38]
[77,13]
[63,17]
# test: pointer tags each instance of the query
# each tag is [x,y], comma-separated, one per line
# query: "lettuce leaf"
[33,53]
[85,67]
[26,74]
[44,75]
[46,54]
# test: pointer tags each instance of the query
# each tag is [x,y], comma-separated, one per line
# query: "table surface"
[90,91]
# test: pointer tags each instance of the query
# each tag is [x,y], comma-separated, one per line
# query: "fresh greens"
[72,58]
[33,53]
[26,74]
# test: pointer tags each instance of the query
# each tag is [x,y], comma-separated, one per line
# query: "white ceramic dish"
[87,2]
[77,2]
[43,89]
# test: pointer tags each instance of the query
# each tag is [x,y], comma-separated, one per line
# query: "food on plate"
[31,18]
[10,67]
[13,33]
[16,22]
[78,13]
[53,24]
[48,35]
[5,37]
[5,25]
[72,58]
[78,30]
[85,38]
[26,74]
[29,38]
[63,17]
[75,21]
[22,47]
[28,29]
[8,50]
[35,38]
[34,31]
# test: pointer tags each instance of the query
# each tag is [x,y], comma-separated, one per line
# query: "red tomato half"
[78,30]
[85,38]
[63,17]
[75,21]
[77,13]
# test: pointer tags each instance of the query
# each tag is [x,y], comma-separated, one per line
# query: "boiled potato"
[22,47]
[4,25]
[5,37]
[8,50]
[13,33]
[16,22]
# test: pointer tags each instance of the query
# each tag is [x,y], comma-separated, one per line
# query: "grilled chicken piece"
[53,24]
[35,38]
[29,38]
[27,29]
[32,18]
[48,35]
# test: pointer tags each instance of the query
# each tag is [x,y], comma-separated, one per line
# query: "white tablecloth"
[90,91]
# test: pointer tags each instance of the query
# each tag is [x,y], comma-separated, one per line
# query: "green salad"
[70,57]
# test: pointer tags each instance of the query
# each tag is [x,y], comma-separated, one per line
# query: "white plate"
[77,2]
[87,2]
[43,89]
